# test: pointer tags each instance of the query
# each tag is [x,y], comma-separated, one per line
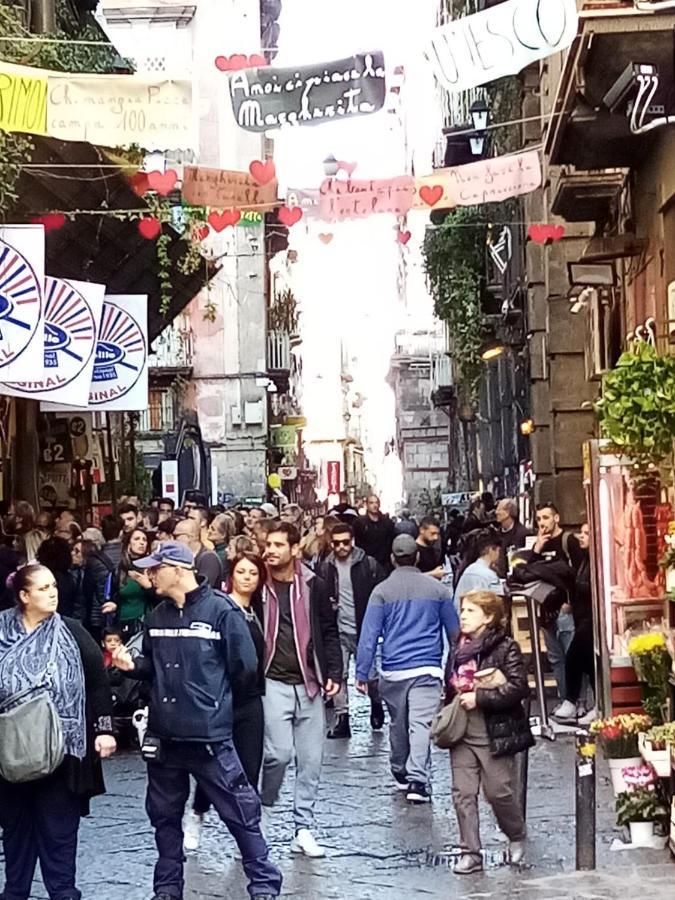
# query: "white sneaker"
[305,842]
[192,831]
[566,710]
[590,716]
[517,851]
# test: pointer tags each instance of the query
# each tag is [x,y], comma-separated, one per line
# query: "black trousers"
[248,733]
[40,820]
[217,769]
[579,662]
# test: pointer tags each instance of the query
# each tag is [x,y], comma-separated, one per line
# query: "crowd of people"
[240,626]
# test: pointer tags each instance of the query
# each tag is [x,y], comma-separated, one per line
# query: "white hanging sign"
[499,41]
[22,272]
[72,312]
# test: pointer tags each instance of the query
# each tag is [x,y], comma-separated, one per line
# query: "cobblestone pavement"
[378,847]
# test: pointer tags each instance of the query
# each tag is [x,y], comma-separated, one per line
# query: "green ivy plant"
[637,408]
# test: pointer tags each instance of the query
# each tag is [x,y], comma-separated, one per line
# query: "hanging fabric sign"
[71,317]
[222,189]
[341,199]
[119,379]
[501,40]
[487,181]
[22,272]
[23,99]
[267,97]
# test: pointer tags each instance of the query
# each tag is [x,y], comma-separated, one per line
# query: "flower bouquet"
[618,735]
[651,660]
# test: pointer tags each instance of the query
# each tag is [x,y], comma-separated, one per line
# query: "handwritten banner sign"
[486,181]
[22,274]
[23,99]
[501,40]
[118,110]
[71,319]
[340,199]
[222,189]
[267,97]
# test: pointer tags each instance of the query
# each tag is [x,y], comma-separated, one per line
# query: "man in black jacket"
[351,576]
[101,576]
[303,658]
[375,533]
[196,647]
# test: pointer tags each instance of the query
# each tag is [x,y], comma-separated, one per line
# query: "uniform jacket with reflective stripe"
[192,657]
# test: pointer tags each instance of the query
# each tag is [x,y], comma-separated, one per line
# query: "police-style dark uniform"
[192,656]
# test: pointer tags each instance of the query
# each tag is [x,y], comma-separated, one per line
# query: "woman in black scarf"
[487,669]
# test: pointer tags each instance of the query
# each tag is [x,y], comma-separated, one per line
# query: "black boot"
[376,715]
[341,728]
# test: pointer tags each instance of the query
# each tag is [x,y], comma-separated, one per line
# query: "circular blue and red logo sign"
[20,304]
[120,354]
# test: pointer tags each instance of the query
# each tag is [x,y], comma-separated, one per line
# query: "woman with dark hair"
[40,819]
[135,595]
[54,553]
[248,728]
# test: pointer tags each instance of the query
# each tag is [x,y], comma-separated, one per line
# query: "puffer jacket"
[507,725]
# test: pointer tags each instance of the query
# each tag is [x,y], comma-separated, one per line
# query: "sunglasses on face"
[344,543]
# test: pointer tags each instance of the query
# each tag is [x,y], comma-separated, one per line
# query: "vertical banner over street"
[22,273]
[71,318]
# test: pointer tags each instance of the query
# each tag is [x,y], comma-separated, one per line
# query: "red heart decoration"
[403,237]
[289,217]
[326,238]
[263,173]
[431,195]
[256,60]
[219,221]
[349,168]
[139,183]
[222,63]
[239,61]
[163,182]
[545,234]
[150,228]
[50,221]
[201,233]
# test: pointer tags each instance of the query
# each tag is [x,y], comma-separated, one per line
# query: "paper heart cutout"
[150,228]
[201,233]
[347,167]
[431,195]
[239,61]
[163,182]
[403,237]
[289,217]
[219,221]
[326,237]
[263,173]
[50,221]
[545,234]
[139,183]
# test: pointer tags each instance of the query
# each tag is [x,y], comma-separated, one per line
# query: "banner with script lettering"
[486,181]
[22,275]
[119,379]
[23,99]
[340,199]
[222,189]
[501,40]
[71,318]
[265,98]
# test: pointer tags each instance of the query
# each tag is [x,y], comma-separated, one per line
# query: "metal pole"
[533,616]
[585,801]
[111,462]
[43,20]
[132,450]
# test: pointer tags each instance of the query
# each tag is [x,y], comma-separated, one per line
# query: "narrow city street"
[379,848]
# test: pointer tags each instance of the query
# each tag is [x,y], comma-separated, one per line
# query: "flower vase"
[616,767]
[641,833]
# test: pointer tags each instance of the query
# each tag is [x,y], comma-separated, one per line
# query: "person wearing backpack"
[101,577]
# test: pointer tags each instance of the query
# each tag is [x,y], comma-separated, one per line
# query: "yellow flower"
[646,643]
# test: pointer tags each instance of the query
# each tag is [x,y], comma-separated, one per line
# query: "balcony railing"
[421,345]
[278,351]
[160,416]
[441,372]
[174,348]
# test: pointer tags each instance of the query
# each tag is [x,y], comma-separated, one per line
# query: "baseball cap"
[169,553]
[404,545]
[269,509]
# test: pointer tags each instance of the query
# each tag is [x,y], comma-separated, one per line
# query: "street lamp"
[491,349]
[480,118]
[331,166]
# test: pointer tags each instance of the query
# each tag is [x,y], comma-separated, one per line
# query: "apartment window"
[161,412]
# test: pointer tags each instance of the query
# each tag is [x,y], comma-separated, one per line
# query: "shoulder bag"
[449,725]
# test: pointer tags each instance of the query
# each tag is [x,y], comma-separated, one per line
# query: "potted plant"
[618,737]
[651,661]
[640,807]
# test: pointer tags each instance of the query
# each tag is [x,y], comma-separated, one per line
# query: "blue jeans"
[558,638]
[220,775]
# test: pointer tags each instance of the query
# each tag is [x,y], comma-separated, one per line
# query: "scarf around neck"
[24,663]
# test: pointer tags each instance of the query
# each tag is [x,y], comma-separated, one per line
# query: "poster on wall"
[72,312]
[22,272]
[267,97]
[119,379]
[499,41]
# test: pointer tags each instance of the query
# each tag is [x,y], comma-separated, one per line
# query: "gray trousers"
[558,638]
[349,644]
[294,729]
[412,704]
[471,767]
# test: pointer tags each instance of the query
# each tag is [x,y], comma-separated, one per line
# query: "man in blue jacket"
[410,611]
[196,645]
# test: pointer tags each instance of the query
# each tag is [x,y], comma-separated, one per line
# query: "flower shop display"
[618,738]
[640,806]
[654,747]
[652,663]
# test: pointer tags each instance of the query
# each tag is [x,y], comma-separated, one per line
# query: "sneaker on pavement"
[376,715]
[341,728]
[400,782]
[590,716]
[468,864]
[517,852]
[418,793]
[305,842]
[566,710]
[192,831]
